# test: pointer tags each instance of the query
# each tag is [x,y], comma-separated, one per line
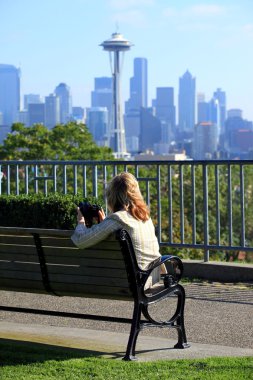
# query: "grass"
[34,361]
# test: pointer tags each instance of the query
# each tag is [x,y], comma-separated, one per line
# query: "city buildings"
[9,94]
[150,129]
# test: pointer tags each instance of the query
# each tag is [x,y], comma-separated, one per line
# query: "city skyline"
[59,42]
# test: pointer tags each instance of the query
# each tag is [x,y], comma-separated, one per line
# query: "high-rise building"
[101,96]
[202,108]
[205,142]
[62,91]
[234,112]
[52,111]
[78,114]
[186,103]
[151,131]
[36,113]
[138,86]
[137,100]
[97,121]
[220,101]
[237,130]
[9,93]
[165,112]
[31,99]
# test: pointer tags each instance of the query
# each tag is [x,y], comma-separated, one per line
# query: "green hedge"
[55,211]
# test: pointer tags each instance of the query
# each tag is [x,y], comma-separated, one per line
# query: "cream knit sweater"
[142,234]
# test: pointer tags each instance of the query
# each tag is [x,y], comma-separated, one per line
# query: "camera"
[89,211]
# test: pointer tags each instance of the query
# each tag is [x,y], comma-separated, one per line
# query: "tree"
[64,142]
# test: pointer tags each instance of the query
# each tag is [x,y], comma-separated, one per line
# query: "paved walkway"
[218,320]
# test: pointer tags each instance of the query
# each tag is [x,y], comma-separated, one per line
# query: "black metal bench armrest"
[168,278]
[161,260]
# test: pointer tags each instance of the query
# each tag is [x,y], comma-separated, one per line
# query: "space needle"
[115,45]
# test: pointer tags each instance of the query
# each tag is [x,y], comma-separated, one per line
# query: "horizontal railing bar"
[208,246]
[118,162]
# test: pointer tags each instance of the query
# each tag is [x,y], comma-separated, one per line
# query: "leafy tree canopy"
[71,141]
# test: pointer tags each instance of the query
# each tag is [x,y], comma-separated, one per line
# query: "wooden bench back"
[98,271]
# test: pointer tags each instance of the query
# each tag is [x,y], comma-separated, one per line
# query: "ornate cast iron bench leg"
[179,322]
[134,332]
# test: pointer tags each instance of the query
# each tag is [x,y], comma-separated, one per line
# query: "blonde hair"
[123,193]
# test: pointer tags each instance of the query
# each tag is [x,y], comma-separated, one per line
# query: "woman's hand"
[80,218]
[101,215]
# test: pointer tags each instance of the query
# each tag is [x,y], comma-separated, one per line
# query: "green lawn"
[30,361]
[34,361]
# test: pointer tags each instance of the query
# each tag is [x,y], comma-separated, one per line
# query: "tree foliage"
[64,142]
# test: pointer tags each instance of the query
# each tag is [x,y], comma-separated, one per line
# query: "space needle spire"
[116,45]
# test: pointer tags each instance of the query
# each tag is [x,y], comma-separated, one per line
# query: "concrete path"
[218,320]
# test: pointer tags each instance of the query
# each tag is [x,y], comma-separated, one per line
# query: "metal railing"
[197,205]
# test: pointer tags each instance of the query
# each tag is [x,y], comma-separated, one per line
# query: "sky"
[55,41]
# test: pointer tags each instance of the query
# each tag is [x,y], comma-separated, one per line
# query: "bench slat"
[87,252]
[66,279]
[23,231]
[22,257]
[18,249]
[17,240]
[76,290]
[110,245]
[60,269]
[67,260]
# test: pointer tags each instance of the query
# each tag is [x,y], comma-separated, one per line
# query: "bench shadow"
[16,352]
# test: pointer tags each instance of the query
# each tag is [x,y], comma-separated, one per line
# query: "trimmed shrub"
[54,211]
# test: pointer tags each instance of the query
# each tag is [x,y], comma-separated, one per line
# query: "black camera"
[89,212]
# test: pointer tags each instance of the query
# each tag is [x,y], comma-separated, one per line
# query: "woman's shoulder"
[120,215]
[124,216]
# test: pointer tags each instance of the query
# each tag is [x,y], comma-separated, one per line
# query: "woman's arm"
[84,237]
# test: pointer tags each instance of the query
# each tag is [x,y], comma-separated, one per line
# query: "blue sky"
[57,41]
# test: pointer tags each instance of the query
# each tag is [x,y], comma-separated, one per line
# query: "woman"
[129,211]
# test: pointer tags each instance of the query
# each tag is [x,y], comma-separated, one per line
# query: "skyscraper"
[101,96]
[52,111]
[36,113]
[220,100]
[186,103]
[151,131]
[138,86]
[97,121]
[63,93]
[9,93]
[205,141]
[31,99]
[137,100]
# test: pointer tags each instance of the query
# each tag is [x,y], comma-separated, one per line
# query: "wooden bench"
[46,261]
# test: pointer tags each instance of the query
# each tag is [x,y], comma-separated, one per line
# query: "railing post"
[159,203]
[206,224]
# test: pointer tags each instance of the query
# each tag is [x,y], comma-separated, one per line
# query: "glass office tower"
[9,94]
